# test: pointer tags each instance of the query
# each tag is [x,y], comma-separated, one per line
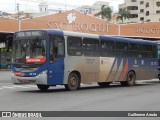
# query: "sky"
[10,5]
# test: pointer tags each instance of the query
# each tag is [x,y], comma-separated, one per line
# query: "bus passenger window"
[91,47]
[135,50]
[154,51]
[74,46]
[147,51]
[122,49]
[107,48]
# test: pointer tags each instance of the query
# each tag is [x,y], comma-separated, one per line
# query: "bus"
[158,44]
[50,57]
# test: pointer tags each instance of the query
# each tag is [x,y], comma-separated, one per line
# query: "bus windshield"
[29,51]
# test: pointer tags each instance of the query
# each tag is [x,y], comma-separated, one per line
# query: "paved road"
[145,96]
[5,77]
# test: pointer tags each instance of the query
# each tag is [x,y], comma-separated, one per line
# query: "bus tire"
[130,80]
[73,82]
[103,84]
[43,87]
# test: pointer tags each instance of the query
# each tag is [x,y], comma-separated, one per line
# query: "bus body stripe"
[124,72]
[114,69]
[110,72]
[119,70]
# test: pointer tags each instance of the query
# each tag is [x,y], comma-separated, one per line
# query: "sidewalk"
[5,69]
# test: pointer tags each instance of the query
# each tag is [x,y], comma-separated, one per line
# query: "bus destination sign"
[30,34]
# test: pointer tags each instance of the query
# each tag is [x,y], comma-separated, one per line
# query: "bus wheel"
[43,87]
[73,82]
[103,84]
[130,80]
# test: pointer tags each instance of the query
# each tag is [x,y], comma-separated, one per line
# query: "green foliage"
[123,13]
[105,12]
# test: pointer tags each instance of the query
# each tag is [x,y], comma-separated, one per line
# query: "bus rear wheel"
[103,84]
[43,87]
[73,82]
[130,80]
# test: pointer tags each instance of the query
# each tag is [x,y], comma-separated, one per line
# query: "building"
[4,14]
[72,21]
[95,8]
[142,10]
[44,10]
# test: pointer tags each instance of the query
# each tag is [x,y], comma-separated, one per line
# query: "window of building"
[133,0]
[122,49]
[147,13]
[148,20]
[141,2]
[147,4]
[132,8]
[74,46]
[158,12]
[107,48]
[90,47]
[133,16]
[141,18]
[141,10]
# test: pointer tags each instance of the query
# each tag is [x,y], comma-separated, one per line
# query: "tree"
[105,12]
[123,14]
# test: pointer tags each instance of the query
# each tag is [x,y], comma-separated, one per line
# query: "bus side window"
[91,47]
[107,48]
[57,48]
[74,46]
[147,51]
[122,49]
[135,50]
[154,51]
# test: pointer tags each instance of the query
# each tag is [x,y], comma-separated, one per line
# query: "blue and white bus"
[54,57]
[158,60]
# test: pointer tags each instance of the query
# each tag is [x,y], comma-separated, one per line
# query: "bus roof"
[96,36]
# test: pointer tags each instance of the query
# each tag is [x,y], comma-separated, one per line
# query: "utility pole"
[18,17]
[65,5]
[15,6]
[119,30]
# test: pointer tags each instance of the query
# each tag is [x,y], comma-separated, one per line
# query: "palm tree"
[123,14]
[105,12]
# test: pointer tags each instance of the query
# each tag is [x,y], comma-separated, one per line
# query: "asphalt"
[5,76]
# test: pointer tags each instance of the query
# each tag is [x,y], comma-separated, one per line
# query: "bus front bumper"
[39,79]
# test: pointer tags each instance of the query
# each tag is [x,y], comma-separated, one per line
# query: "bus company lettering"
[148,30]
[90,60]
[80,26]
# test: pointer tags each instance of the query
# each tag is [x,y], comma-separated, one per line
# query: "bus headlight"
[43,73]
